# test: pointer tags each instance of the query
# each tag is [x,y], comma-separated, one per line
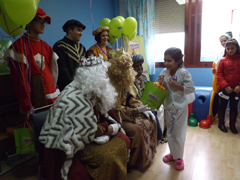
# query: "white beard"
[94,79]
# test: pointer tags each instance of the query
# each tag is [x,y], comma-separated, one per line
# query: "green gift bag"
[23,141]
[153,96]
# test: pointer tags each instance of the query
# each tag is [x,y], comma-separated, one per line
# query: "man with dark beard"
[138,121]
[79,122]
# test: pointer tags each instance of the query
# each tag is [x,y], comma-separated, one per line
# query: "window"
[205,21]
[169,27]
[166,40]
[215,24]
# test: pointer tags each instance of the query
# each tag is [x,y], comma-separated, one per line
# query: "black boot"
[233,119]
[221,124]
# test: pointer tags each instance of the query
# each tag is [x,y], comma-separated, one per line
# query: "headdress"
[41,13]
[99,30]
[72,23]
[115,53]
[137,58]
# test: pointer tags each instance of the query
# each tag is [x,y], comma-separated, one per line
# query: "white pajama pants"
[176,120]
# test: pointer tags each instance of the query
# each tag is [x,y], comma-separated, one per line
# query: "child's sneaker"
[179,164]
[168,158]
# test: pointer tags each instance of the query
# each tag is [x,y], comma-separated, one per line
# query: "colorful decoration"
[104,22]
[120,27]
[129,26]
[9,26]
[116,27]
[112,38]
[20,11]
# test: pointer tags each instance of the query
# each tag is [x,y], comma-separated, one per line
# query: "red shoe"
[179,164]
[168,158]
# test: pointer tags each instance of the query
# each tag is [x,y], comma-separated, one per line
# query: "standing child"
[223,39]
[228,79]
[179,83]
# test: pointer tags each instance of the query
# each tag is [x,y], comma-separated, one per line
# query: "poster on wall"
[4,45]
[138,47]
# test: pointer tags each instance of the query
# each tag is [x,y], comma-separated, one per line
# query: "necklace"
[41,55]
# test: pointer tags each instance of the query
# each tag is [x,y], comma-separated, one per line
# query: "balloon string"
[91,15]
[16,29]
[5,22]
[7,25]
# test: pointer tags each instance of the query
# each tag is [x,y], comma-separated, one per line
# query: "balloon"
[20,11]
[116,27]
[133,35]
[9,26]
[129,26]
[111,39]
[104,22]
[121,18]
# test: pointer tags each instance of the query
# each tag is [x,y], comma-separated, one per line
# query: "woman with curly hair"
[138,121]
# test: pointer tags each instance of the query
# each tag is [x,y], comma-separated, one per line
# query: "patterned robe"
[71,126]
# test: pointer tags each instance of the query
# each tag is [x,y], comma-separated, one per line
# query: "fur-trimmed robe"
[70,124]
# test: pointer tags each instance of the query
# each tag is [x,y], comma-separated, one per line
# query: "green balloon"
[121,18]
[129,26]
[120,36]
[111,39]
[133,35]
[20,11]
[116,27]
[104,22]
[9,26]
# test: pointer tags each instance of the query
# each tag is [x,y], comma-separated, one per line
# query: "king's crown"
[91,60]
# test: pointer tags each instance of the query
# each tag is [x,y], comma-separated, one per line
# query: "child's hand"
[214,70]
[173,83]
[237,89]
[228,89]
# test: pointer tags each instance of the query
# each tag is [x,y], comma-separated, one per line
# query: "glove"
[149,114]
[143,108]
[115,128]
[101,139]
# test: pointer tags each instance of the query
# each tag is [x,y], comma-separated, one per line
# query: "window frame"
[193,30]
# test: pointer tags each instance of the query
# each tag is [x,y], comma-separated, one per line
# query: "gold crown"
[115,53]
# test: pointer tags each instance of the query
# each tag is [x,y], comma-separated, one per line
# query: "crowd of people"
[101,128]
[97,118]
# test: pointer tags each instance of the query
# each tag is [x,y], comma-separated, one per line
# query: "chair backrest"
[37,119]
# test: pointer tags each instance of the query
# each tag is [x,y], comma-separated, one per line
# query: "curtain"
[143,12]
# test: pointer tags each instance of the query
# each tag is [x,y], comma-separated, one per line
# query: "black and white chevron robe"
[70,124]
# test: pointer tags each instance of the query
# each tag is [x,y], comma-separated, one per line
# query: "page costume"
[69,54]
[35,81]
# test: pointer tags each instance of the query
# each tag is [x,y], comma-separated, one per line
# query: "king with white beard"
[72,123]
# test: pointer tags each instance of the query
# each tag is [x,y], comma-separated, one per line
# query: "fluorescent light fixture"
[180,2]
